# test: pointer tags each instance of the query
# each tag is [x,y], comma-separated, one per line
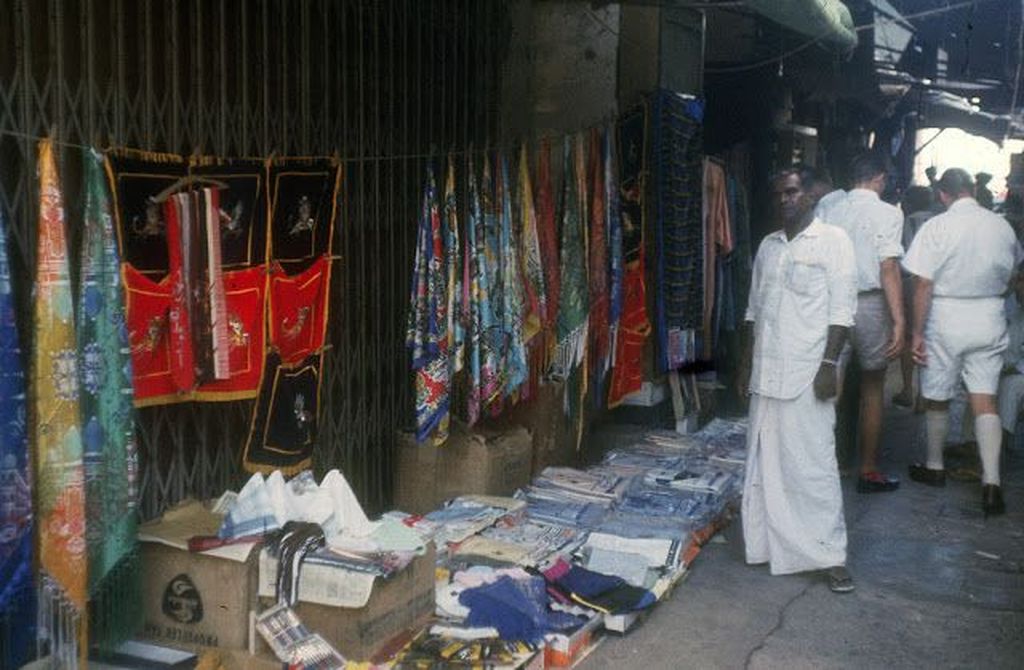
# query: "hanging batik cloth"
[298,311]
[17,599]
[633,324]
[108,422]
[285,421]
[547,235]
[484,332]
[515,365]
[427,333]
[598,267]
[573,293]
[454,274]
[678,229]
[613,225]
[530,255]
[57,442]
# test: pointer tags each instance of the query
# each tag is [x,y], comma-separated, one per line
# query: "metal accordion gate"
[384,84]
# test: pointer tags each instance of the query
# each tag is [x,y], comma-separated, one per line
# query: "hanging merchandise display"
[148,308]
[484,330]
[242,208]
[298,311]
[680,261]
[303,202]
[454,275]
[530,255]
[547,234]
[511,277]
[56,437]
[286,418]
[17,599]
[597,246]
[613,228]
[718,243]
[427,332]
[110,456]
[633,324]
[574,289]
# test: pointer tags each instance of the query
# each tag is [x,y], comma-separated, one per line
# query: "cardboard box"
[191,600]
[544,416]
[564,651]
[397,605]
[488,461]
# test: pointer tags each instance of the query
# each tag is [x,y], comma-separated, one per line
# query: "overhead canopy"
[826,20]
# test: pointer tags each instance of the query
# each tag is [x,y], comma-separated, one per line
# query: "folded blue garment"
[517,608]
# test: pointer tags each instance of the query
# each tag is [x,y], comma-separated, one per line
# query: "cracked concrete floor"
[937,586]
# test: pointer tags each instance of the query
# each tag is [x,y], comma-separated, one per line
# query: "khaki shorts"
[871,331]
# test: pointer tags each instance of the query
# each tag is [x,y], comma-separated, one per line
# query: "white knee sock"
[989,431]
[936,423]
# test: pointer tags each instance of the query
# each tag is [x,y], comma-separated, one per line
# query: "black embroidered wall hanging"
[303,195]
[243,209]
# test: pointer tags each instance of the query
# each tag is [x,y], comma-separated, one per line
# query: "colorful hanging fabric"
[515,364]
[598,266]
[678,229]
[530,254]
[454,274]
[303,203]
[634,326]
[427,334]
[573,293]
[242,208]
[183,363]
[108,422]
[246,309]
[148,310]
[209,208]
[285,421]
[17,599]
[718,241]
[613,219]
[484,331]
[57,440]
[298,311]
[547,234]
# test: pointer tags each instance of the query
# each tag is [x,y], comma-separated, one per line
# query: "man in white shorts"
[962,262]
[876,229]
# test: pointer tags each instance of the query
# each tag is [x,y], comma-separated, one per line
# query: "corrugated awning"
[826,20]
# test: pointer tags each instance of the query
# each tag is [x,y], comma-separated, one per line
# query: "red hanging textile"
[298,311]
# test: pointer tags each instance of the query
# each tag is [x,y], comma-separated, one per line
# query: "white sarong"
[792,501]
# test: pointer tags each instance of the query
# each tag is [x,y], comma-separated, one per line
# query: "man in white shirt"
[802,302]
[876,230]
[962,262]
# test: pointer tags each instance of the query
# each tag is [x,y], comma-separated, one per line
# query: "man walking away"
[962,262]
[802,302]
[876,230]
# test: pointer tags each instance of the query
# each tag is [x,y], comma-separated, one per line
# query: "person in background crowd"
[962,262]
[917,208]
[982,193]
[878,333]
[1011,383]
[802,301]
[824,195]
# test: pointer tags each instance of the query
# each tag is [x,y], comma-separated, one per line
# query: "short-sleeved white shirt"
[967,252]
[823,210]
[799,288]
[876,230]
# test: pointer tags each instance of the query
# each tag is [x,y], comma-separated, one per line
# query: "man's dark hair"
[805,174]
[917,199]
[956,182]
[867,166]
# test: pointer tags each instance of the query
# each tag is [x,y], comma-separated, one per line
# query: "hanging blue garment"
[17,596]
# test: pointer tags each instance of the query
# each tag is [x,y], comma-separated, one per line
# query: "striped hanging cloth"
[56,439]
[17,598]
[513,291]
[108,422]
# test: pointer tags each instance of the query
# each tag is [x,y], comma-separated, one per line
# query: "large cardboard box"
[396,607]
[192,600]
[488,461]
[544,416]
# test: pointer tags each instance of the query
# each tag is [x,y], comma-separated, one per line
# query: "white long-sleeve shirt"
[799,288]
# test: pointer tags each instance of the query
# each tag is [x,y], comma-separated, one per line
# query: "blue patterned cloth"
[17,602]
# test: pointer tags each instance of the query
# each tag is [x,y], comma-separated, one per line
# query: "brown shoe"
[920,473]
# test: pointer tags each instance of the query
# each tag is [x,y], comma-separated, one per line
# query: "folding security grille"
[381,83]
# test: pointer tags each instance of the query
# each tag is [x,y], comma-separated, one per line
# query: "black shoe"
[920,473]
[992,500]
[876,482]
[839,579]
